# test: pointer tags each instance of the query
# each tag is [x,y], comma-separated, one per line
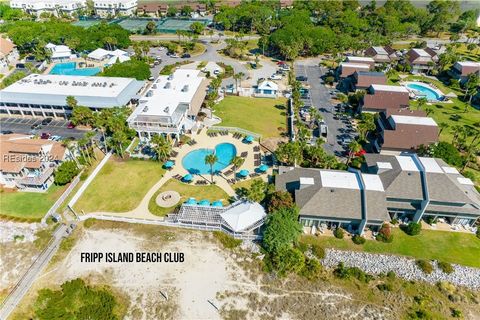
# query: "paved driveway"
[56,127]
[321,99]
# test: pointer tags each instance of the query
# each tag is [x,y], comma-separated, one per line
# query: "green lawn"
[209,192]
[453,247]
[260,115]
[120,186]
[28,205]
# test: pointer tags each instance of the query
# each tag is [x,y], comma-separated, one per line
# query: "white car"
[276,76]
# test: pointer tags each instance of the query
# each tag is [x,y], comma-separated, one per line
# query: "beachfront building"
[45,95]
[170,105]
[382,55]
[55,7]
[267,89]
[420,60]
[404,130]
[362,60]
[385,97]
[347,69]
[348,199]
[59,52]
[112,8]
[462,69]
[108,56]
[28,164]
[8,54]
[417,188]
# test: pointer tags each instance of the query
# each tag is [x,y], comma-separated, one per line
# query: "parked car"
[35,126]
[186,55]
[7,132]
[216,72]
[151,78]
[70,125]
[301,78]
[46,121]
[45,135]
[276,76]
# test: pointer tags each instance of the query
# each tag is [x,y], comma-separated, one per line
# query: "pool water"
[194,161]
[70,69]
[425,91]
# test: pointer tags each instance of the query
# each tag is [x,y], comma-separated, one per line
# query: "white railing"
[62,198]
[235,129]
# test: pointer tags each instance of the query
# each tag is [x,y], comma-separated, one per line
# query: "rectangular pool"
[70,69]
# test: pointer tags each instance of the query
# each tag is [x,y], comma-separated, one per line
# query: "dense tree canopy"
[65,172]
[134,68]
[28,35]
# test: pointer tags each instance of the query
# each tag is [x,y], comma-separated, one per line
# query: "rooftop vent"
[185,88]
[145,109]
[166,110]
[167,85]
[149,94]
[170,77]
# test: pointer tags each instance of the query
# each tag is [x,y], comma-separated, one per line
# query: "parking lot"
[55,128]
[340,130]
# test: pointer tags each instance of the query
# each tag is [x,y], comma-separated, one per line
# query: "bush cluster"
[445,267]
[338,233]
[385,233]
[357,239]
[318,251]
[343,272]
[413,228]
[425,266]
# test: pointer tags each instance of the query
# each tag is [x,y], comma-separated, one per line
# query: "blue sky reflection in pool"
[194,161]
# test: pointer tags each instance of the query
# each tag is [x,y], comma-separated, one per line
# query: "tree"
[162,147]
[151,27]
[289,153]
[172,11]
[442,126]
[197,27]
[471,87]
[237,162]
[366,125]
[448,153]
[211,159]
[238,76]
[422,102]
[279,200]
[71,102]
[353,148]
[129,69]
[257,190]
[82,115]
[118,141]
[186,10]
[65,172]
[282,230]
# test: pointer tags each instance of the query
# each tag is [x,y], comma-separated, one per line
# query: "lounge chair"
[244,154]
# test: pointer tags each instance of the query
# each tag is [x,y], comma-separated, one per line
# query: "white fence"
[235,129]
[62,198]
[170,224]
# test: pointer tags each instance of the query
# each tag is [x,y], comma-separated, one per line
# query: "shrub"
[385,233]
[391,275]
[425,266]
[338,233]
[318,251]
[445,267]
[478,232]
[311,269]
[303,247]
[413,228]
[385,287]
[430,220]
[278,200]
[89,222]
[357,239]
[456,313]
[65,172]
[343,272]
[395,221]
[226,240]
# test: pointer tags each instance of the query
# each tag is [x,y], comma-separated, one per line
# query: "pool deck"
[427,85]
[78,60]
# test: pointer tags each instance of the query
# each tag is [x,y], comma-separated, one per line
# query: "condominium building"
[55,7]
[170,105]
[45,95]
[28,164]
[105,8]
[385,97]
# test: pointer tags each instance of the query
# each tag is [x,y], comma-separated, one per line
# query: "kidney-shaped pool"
[194,161]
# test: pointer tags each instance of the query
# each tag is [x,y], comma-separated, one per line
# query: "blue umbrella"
[168,164]
[243,173]
[249,139]
[191,201]
[263,168]
[188,177]
[204,202]
[217,203]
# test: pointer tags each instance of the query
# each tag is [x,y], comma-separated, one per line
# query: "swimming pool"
[422,90]
[194,161]
[70,69]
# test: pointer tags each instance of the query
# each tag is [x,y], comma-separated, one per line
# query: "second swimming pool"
[70,69]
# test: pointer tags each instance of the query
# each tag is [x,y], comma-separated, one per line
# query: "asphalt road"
[320,98]
[22,287]
[56,127]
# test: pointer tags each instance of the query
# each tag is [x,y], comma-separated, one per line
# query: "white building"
[59,52]
[105,8]
[45,95]
[267,89]
[55,7]
[101,54]
[170,105]
[8,54]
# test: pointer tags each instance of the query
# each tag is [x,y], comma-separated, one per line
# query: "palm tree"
[71,102]
[442,126]
[237,163]
[236,77]
[162,147]
[210,159]
[353,148]
[422,102]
